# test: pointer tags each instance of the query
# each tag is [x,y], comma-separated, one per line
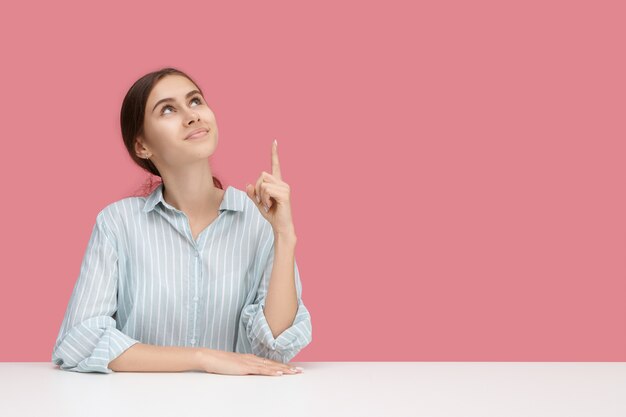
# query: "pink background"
[457,168]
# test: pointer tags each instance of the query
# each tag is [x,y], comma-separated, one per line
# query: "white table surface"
[381,389]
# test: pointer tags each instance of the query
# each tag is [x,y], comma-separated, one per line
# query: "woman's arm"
[142,357]
[281,301]
[151,358]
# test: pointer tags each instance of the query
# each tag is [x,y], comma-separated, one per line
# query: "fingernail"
[258,200]
[279,372]
[275,142]
[299,369]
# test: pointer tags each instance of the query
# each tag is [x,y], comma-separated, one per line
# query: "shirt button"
[193,341]
[195,298]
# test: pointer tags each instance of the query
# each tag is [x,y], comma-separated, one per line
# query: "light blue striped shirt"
[145,279]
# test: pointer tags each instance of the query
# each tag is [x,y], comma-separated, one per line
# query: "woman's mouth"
[199,134]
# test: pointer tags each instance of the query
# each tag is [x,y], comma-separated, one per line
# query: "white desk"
[381,389]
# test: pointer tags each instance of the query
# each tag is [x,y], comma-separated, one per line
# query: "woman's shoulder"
[127,208]
[257,225]
[251,210]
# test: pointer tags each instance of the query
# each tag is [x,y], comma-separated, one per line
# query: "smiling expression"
[175,108]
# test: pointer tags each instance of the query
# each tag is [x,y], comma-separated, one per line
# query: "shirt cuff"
[284,347]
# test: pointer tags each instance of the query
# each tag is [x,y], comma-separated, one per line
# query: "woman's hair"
[132,117]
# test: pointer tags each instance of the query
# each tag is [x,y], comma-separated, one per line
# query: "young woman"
[191,276]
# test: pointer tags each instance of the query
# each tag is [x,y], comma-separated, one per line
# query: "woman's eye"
[168,106]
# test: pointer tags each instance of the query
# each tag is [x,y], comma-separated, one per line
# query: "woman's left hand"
[272,192]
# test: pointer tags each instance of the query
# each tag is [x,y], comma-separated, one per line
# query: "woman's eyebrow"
[189,94]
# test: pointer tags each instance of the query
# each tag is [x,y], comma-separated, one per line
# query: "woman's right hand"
[233,363]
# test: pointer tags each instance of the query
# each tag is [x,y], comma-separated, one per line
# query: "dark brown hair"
[132,117]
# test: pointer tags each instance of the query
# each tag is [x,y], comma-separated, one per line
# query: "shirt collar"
[231,201]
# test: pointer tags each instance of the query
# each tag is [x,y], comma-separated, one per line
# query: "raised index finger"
[275,164]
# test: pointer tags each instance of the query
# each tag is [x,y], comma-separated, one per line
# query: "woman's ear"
[140,148]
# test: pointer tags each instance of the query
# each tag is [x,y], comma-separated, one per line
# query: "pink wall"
[458,169]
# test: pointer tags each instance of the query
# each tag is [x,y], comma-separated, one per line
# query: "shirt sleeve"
[89,339]
[257,334]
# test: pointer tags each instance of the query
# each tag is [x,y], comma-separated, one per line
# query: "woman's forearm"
[281,301]
[142,357]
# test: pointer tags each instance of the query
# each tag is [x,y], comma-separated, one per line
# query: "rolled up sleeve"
[89,338]
[258,334]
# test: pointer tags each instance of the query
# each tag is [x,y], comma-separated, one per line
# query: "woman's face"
[168,123]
